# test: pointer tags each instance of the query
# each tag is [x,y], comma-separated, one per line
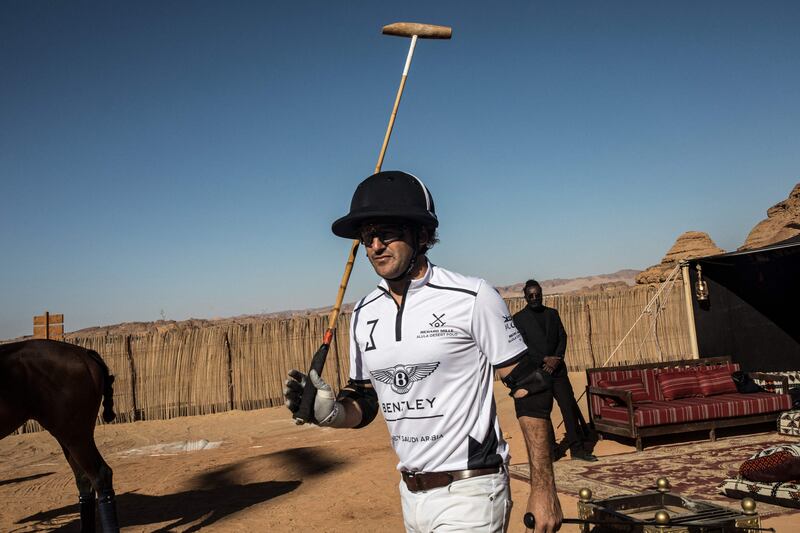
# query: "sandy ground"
[265,474]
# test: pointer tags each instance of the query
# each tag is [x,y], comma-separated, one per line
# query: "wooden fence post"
[132,369]
[230,372]
[48,326]
[588,315]
[687,296]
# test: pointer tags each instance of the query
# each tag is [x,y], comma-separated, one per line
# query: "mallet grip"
[423,31]
[306,410]
[529,520]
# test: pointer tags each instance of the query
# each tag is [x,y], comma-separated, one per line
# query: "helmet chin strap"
[413,261]
[407,272]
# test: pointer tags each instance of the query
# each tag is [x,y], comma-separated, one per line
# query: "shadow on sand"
[215,495]
[21,479]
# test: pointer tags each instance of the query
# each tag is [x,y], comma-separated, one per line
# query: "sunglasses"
[386,233]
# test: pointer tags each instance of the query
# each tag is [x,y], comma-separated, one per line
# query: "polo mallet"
[401,29]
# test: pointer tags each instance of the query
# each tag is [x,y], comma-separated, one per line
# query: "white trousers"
[480,504]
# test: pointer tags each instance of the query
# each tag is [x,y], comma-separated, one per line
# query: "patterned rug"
[694,470]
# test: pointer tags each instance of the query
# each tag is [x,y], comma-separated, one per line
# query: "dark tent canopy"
[753,307]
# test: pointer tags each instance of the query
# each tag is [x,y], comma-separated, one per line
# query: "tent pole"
[687,293]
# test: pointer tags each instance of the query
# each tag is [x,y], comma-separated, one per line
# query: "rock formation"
[618,279]
[782,222]
[690,244]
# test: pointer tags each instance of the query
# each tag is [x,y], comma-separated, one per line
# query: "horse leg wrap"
[108,512]
[87,503]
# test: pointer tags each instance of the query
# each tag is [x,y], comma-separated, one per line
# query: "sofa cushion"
[772,385]
[715,381]
[783,494]
[789,423]
[634,385]
[781,463]
[775,463]
[678,384]
[696,409]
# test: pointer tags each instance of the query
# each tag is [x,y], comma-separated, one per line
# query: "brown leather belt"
[419,481]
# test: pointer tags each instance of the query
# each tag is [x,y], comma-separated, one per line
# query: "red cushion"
[715,381]
[634,385]
[679,384]
[780,466]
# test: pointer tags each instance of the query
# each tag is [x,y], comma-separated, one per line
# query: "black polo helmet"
[391,194]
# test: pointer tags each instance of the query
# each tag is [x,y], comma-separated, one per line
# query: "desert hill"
[553,286]
[621,278]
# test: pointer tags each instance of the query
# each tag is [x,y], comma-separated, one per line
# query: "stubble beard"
[387,267]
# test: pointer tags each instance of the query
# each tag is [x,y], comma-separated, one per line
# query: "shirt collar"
[415,283]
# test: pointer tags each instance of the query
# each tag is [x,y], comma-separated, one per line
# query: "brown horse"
[60,386]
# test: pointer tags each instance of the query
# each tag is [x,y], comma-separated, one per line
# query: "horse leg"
[86,497]
[10,418]
[91,463]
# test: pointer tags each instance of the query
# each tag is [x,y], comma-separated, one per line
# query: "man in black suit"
[544,333]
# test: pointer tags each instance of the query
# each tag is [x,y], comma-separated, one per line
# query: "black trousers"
[562,392]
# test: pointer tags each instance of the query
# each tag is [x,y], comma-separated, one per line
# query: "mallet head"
[422,31]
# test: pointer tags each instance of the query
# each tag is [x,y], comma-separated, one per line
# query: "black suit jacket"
[552,340]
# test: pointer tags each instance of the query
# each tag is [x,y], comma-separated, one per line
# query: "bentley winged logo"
[401,377]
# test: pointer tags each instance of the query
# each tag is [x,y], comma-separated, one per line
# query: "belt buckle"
[411,481]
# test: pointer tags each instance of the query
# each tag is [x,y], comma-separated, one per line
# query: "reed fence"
[200,370]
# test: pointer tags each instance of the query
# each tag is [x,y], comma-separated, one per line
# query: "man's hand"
[551,363]
[326,410]
[546,509]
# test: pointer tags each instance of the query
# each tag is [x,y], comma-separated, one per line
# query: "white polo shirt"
[430,362]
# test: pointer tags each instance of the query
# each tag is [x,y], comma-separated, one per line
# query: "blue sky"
[190,156]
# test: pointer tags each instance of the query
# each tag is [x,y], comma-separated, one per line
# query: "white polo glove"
[327,411]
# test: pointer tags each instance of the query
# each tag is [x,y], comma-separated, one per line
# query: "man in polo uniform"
[423,349]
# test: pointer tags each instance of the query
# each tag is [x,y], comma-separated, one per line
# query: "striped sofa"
[650,399]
